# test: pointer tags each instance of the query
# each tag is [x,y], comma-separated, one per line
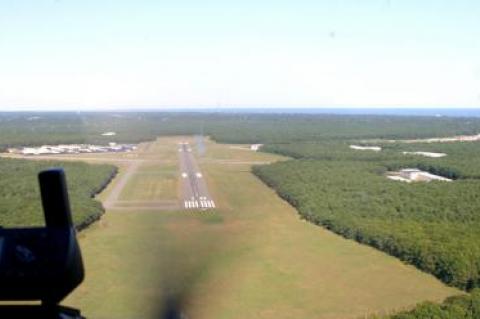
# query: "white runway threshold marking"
[191,204]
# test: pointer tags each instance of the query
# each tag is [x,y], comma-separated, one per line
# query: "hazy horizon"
[409,111]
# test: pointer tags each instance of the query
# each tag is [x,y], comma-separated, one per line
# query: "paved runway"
[194,188]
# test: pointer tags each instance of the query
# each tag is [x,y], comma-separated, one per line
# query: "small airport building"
[415,175]
[73,149]
[255,147]
[366,148]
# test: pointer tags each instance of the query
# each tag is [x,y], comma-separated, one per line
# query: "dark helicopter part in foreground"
[42,263]
[39,312]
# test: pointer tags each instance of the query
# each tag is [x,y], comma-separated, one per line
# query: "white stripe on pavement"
[199,204]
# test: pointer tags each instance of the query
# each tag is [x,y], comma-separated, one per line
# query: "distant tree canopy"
[26,128]
[20,203]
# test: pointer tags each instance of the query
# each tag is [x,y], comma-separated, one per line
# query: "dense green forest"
[435,226]
[458,307]
[20,203]
[25,128]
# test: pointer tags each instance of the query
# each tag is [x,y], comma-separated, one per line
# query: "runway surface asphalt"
[195,193]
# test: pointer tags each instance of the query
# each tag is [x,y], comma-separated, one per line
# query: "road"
[194,188]
[118,187]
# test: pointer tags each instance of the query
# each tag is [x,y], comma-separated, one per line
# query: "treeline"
[20,203]
[131,127]
[434,226]
[458,307]
[331,151]
[461,160]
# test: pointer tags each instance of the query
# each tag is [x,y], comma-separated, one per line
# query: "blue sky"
[125,54]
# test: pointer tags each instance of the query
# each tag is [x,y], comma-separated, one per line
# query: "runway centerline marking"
[194,188]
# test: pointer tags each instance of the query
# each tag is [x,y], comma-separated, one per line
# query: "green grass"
[211,218]
[153,182]
[251,258]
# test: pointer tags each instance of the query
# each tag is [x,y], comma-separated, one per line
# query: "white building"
[415,175]
[410,173]
[426,154]
[366,148]
[255,147]
[72,149]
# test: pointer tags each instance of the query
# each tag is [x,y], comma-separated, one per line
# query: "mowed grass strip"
[250,258]
[152,182]
[285,267]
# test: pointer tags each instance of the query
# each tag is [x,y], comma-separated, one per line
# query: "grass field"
[251,258]
[152,182]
